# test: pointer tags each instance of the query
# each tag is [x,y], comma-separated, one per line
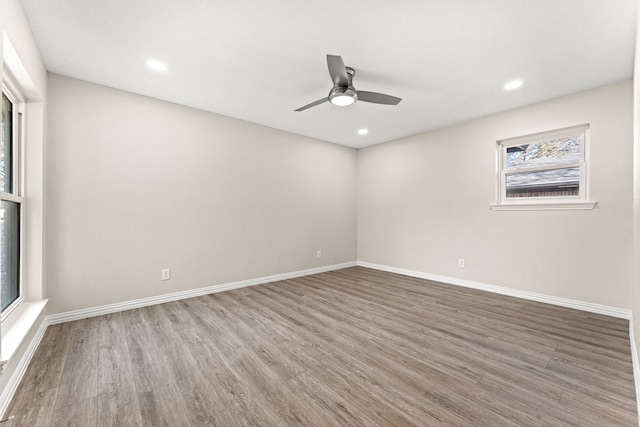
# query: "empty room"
[243,213]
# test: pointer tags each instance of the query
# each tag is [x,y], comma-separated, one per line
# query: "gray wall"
[136,185]
[423,202]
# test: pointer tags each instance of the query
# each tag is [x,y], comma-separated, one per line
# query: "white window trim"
[18,100]
[544,203]
[551,206]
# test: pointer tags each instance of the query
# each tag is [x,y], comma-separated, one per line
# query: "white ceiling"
[260,60]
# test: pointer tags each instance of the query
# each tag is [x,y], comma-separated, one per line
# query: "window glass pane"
[9,252]
[544,153]
[549,183]
[5,145]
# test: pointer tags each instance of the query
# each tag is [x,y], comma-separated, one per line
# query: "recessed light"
[513,84]
[363,131]
[156,65]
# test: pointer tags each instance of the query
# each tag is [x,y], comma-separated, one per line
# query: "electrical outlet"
[460,263]
[166,273]
[319,254]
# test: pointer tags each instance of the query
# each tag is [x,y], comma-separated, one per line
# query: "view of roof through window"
[544,169]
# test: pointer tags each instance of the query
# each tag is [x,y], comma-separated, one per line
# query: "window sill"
[548,206]
[16,328]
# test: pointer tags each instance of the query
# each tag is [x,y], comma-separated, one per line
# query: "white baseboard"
[22,364]
[129,305]
[563,302]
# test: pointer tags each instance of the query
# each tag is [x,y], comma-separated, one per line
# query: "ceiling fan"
[343,93]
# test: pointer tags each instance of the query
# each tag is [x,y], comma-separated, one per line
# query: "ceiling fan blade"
[313,104]
[377,98]
[337,70]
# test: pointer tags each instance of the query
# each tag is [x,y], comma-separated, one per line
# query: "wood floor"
[354,347]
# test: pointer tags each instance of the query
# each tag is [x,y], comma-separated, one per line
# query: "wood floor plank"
[347,342]
[466,406]
[264,345]
[117,397]
[249,407]
[262,391]
[45,369]
[114,410]
[208,350]
[230,417]
[408,354]
[149,366]
[162,408]
[79,379]
[380,407]
[352,347]
[42,378]
[594,412]
[79,414]
[25,413]
[198,395]
[541,402]
[592,358]
[590,378]
[329,399]
[209,321]
[447,329]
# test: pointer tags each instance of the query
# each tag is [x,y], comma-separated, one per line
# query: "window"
[21,137]
[10,201]
[544,171]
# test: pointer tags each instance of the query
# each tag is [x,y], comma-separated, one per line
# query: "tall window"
[11,201]
[544,168]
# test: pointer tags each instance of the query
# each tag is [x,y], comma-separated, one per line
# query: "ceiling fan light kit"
[343,96]
[342,99]
[343,93]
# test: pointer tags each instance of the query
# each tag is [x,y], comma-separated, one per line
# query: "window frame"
[17,176]
[580,201]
